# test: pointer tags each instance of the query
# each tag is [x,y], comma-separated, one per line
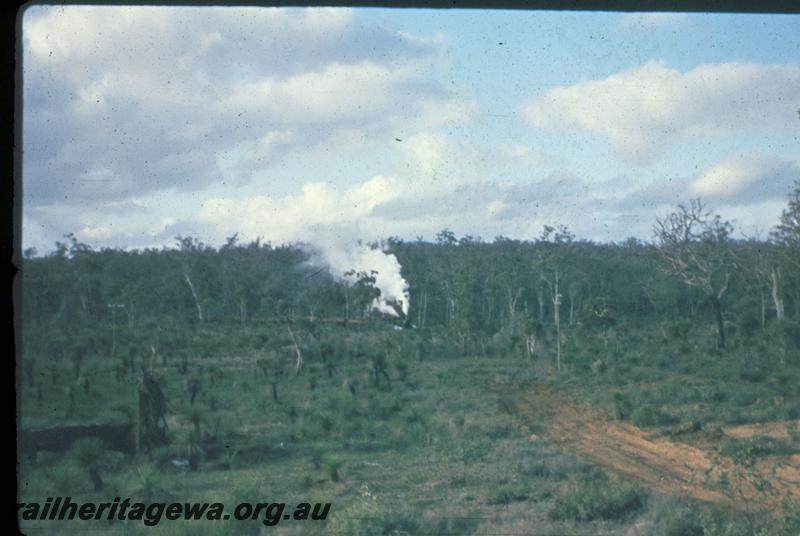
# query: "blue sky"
[144,123]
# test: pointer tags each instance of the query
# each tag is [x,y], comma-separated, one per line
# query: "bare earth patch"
[667,466]
[776,429]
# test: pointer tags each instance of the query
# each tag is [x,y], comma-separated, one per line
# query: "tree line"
[693,267]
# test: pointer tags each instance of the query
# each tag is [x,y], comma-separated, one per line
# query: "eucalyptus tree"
[553,262]
[189,248]
[765,276]
[695,246]
[787,236]
[787,233]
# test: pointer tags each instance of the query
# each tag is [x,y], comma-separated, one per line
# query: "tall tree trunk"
[299,363]
[797,303]
[419,308]
[556,307]
[571,310]
[512,304]
[777,297]
[194,295]
[717,306]
[424,309]
[540,299]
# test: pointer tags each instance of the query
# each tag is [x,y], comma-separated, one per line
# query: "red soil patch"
[661,464]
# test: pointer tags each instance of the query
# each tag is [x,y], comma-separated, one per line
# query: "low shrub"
[592,499]
[652,416]
[757,447]
[509,493]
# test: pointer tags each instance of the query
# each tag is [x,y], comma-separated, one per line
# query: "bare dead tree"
[694,246]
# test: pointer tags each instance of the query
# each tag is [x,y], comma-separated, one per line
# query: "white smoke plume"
[345,260]
[328,223]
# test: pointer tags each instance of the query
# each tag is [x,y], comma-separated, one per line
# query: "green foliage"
[669,516]
[368,518]
[747,450]
[622,406]
[595,497]
[440,431]
[647,415]
[509,493]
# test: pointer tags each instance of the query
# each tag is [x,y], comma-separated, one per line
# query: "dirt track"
[668,466]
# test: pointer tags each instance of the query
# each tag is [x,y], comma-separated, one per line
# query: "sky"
[141,124]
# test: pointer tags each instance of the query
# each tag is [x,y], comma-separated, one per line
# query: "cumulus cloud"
[122,101]
[742,181]
[130,223]
[441,162]
[746,179]
[611,209]
[134,115]
[644,110]
[297,218]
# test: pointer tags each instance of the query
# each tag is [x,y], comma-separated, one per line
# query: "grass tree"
[152,407]
[90,454]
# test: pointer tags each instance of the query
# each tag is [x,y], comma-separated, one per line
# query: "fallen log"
[118,437]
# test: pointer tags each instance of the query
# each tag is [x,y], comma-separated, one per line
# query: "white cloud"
[163,97]
[436,161]
[338,92]
[451,112]
[124,106]
[644,110]
[746,179]
[296,218]
[742,184]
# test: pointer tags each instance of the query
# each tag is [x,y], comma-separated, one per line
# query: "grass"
[592,496]
[755,447]
[438,452]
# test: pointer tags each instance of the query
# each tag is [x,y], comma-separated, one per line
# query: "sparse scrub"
[751,448]
[594,497]
[427,415]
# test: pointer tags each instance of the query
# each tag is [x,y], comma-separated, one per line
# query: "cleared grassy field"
[443,443]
